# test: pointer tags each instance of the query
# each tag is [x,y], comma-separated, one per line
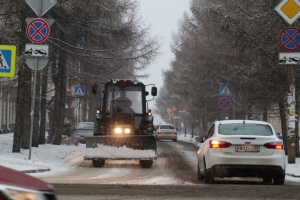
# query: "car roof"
[85,125]
[242,121]
[166,125]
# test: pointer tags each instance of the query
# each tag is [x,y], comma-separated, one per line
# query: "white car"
[242,148]
[166,132]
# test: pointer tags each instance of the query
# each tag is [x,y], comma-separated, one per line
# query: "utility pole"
[291,113]
[289,12]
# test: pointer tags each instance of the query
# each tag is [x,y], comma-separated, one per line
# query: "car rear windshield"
[166,127]
[245,129]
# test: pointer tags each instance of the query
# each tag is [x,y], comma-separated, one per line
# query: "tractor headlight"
[127,130]
[118,130]
[121,130]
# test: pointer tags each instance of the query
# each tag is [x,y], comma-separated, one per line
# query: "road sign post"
[289,10]
[37,31]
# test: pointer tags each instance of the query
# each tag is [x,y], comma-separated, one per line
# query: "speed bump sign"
[7,61]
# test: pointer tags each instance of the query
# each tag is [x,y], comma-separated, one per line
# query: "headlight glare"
[23,195]
[127,130]
[118,130]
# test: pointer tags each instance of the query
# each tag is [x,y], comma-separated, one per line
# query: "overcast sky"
[162,16]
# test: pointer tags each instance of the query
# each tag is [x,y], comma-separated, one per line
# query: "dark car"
[18,185]
[198,139]
[83,129]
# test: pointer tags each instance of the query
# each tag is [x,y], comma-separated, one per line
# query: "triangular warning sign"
[3,62]
[79,92]
[225,91]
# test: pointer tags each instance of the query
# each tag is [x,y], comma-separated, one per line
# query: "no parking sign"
[224,103]
[37,30]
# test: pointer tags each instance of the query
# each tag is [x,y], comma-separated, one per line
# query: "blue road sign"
[290,38]
[225,89]
[224,103]
[7,61]
[79,90]
[37,30]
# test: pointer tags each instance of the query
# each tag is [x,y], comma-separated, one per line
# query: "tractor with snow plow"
[123,127]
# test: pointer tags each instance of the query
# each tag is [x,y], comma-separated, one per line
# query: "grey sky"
[162,16]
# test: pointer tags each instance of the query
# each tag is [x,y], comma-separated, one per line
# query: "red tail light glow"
[98,111]
[219,144]
[175,132]
[159,132]
[274,145]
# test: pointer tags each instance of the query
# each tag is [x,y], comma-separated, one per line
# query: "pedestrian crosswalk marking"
[225,91]
[7,61]
[3,59]
[79,90]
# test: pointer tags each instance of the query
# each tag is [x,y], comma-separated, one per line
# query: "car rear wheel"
[278,181]
[146,163]
[267,180]
[98,163]
[208,176]
[199,175]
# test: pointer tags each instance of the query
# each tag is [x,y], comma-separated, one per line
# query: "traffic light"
[226,117]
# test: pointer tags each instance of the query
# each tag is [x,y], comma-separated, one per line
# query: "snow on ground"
[53,159]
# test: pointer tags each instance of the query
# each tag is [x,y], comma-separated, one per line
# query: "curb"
[293,175]
[36,171]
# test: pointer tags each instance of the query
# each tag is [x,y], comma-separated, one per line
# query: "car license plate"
[246,148]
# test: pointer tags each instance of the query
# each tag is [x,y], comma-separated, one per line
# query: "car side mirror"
[94,89]
[154,91]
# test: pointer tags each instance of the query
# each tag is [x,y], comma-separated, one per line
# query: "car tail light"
[175,132]
[219,144]
[159,132]
[274,145]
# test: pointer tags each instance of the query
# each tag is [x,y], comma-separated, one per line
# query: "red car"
[18,185]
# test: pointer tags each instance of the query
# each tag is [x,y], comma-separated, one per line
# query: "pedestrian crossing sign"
[7,61]
[225,89]
[79,90]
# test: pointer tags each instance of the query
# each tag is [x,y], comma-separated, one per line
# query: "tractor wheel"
[99,127]
[147,128]
[267,180]
[146,163]
[98,163]
[278,181]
